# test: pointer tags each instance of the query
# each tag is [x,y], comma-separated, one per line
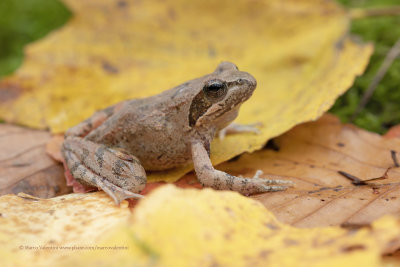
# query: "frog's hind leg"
[118,174]
[208,176]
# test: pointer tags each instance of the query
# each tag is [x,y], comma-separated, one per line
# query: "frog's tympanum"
[112,149]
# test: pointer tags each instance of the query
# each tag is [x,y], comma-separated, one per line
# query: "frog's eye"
[215,89]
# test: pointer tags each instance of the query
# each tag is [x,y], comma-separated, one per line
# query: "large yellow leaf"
[113,50]
[175,227]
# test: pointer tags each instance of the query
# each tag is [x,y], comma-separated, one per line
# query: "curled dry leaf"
[214,227]
[25,166]
[114,50]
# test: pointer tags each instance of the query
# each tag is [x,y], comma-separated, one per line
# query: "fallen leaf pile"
[343,209]
[311,155]
[110,51]
[215,228]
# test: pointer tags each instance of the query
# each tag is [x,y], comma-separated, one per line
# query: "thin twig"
[354,180]
[357,181]
[387,62]
[394,158]
[359,13]
[384,176]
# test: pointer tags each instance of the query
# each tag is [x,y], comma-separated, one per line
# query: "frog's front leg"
[208,176]
[117,173]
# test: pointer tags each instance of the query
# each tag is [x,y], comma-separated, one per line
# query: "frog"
[113,149]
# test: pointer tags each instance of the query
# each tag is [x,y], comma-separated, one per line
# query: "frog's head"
[220,96]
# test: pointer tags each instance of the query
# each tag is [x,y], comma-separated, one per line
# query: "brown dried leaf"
[25,166]
[311,155]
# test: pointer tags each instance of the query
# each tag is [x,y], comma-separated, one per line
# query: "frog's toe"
[276,182]
[256,186]
[114,171]
[283,183]
[117,193]
[260,185]
[274,188]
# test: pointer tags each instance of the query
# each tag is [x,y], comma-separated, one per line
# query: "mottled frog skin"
[112,149]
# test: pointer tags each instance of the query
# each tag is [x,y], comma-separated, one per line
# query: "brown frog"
[112,149]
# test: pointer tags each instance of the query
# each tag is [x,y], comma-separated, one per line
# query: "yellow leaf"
[28,225]
[298,51]
[176,227]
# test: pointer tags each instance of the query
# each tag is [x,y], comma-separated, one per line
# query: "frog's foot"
[274,184]
[208,176]
[239,128]
[71,181]
[117,193]
[118,174]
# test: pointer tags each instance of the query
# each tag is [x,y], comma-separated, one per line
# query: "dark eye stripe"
[198,107]
[212,92]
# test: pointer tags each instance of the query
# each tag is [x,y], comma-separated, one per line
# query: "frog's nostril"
[255,82]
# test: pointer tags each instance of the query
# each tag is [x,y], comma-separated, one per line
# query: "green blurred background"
[24,21]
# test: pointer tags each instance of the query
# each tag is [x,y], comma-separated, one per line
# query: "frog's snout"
[251,80]
[247,82]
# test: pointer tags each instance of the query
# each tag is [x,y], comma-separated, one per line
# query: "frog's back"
[153,129]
